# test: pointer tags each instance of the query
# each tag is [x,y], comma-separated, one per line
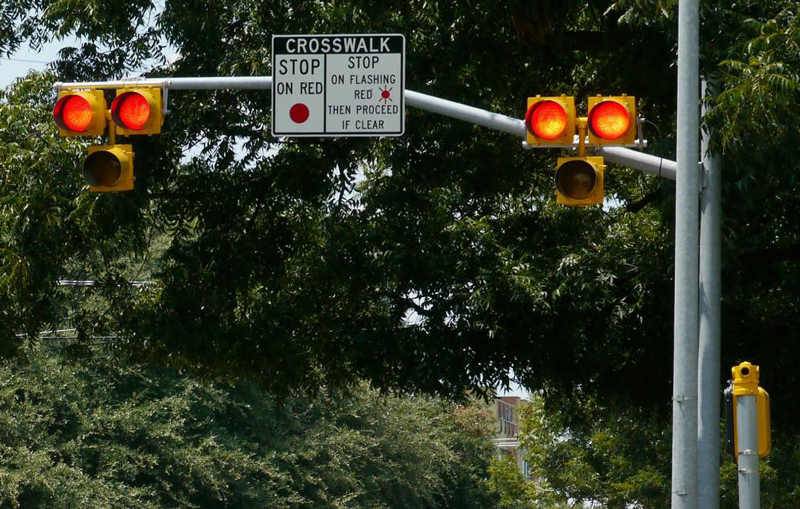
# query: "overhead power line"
[25,60]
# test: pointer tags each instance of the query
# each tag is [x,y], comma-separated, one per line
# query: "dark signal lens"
[547,120]
[609,120]
[131,110]
[102,168]
[576,179]
[73,113]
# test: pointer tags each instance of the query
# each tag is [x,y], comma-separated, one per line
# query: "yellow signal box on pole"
[745,383]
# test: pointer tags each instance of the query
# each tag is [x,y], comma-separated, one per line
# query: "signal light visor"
[547,119]
[609,120]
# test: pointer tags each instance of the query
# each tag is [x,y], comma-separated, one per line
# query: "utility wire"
[25,60]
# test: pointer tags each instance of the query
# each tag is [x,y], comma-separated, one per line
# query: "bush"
[98,434]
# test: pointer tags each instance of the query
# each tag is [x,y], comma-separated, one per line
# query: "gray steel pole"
[684,388]
[710,330]
[747,453]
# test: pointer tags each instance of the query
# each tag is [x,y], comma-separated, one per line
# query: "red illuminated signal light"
[612,120]
[131,110]
[547,119]
[137,111]
[609,120]
[73,112]
[80,113]
[550,121]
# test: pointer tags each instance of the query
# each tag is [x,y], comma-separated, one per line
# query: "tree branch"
[647,200]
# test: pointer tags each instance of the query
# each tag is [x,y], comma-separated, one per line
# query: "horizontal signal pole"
[466,113]
[213,83]
[645,163]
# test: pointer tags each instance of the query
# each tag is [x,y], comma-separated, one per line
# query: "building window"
[526,469]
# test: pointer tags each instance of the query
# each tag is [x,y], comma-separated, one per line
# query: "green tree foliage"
[433,262]
[508,483]
[97,434]
[751,51]
[49,230]
[619,457]
[778,474]
[436,261]
[615,462]
[515,491]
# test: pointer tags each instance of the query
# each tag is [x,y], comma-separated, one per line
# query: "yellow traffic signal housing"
[550,121]
[745,383]
[109,168]
[612,120]
[137,111]
[80,113]
[579,180]
[764,424]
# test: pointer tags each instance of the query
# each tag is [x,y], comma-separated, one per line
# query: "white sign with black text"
[338,85]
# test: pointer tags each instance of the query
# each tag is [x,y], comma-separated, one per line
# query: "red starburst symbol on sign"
[386,94]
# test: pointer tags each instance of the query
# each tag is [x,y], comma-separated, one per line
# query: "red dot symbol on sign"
[298,113]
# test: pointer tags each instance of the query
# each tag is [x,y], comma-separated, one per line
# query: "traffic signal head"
[550,120]
[745,383]
[612,120]
[137,111]
[109,168]
[579,180]
[80,113]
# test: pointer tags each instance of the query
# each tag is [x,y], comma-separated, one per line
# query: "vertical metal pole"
[686,327]
[708,376]
[747,454]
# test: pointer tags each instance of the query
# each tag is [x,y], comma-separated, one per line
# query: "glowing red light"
[131,110]
[74,113]
[609,120]
[299,113]
[547,119]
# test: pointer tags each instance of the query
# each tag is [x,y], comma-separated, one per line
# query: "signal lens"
[547,119]
[609,120]
[73,113]
[131,110]
[576,179]
[102,168]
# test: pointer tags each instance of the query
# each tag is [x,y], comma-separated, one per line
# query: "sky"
[25,60]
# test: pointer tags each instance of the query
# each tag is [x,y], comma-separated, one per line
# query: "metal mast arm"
[643,162]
